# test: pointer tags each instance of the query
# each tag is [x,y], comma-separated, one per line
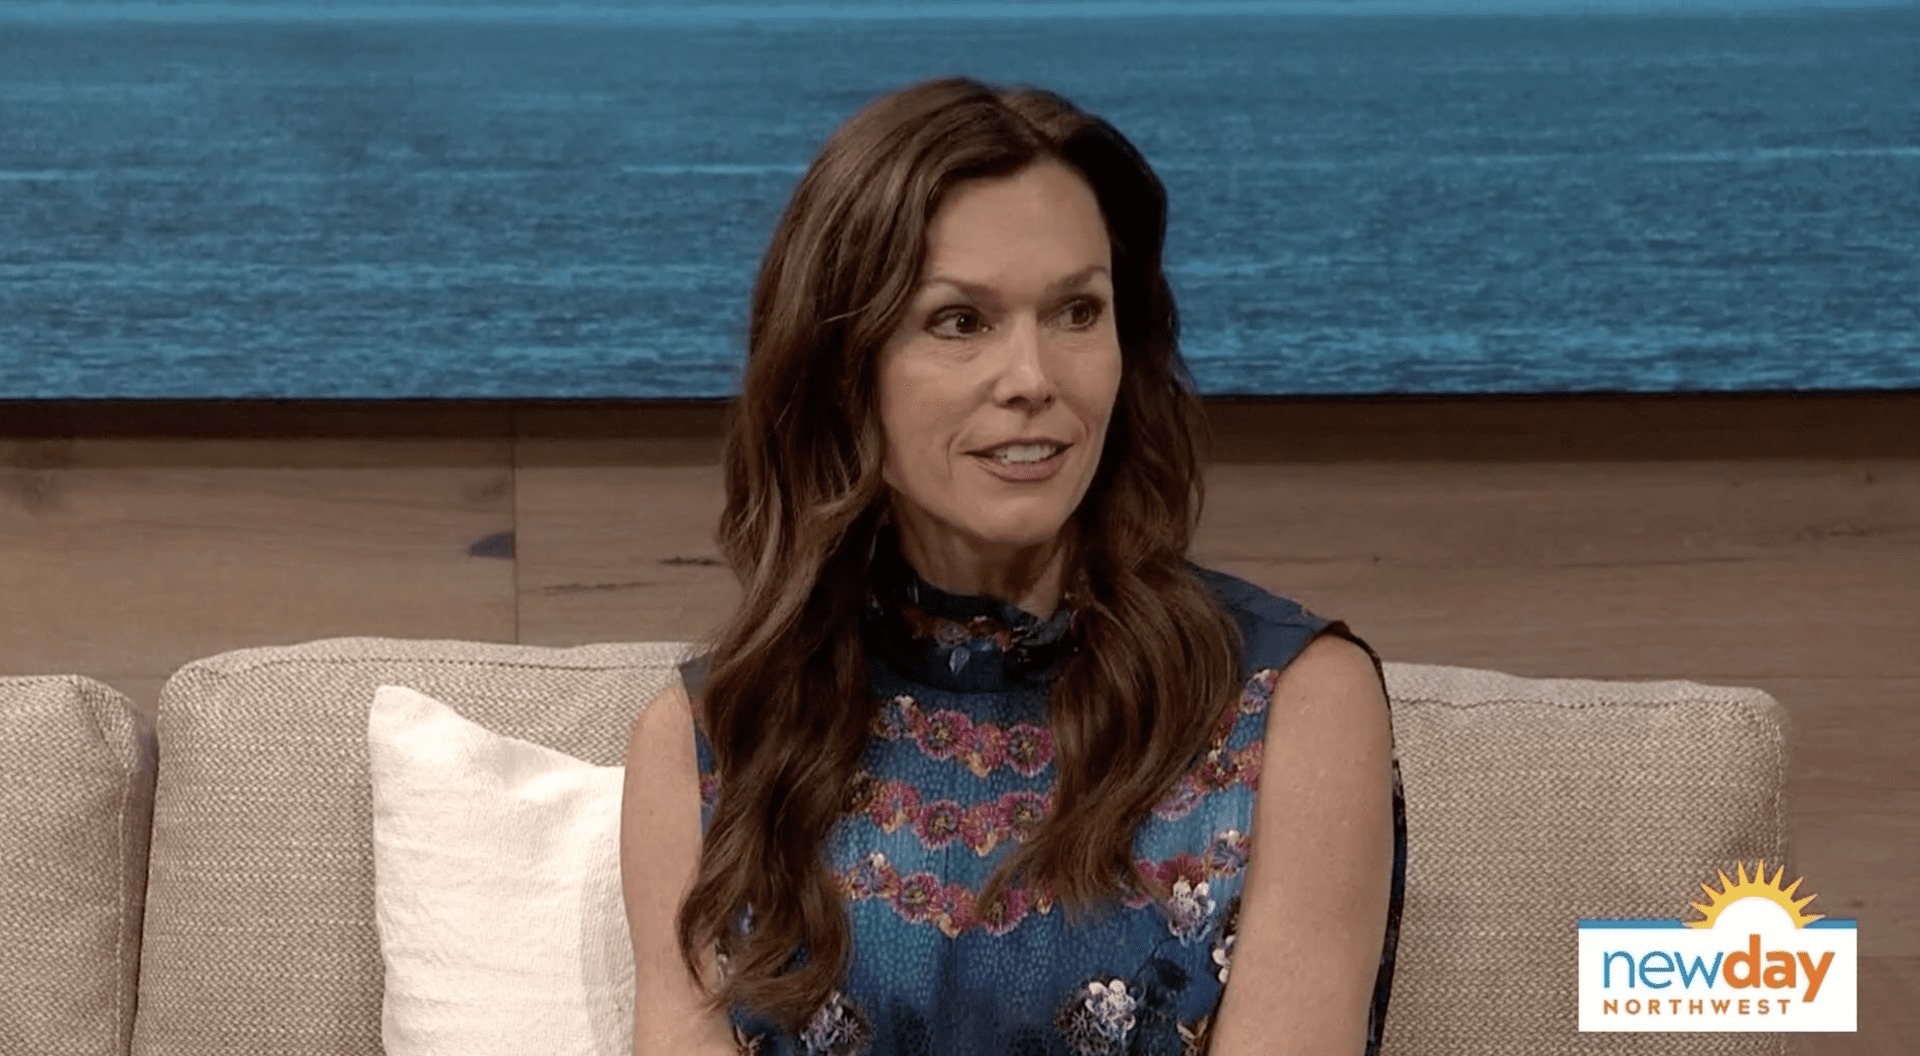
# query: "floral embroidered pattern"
[1028,749]
[1220,769]
[1187,881]
[921,898]
[980,827]
[1223,941]
[1258,692]
[838,1029]
[1228,852]
[981,747]
[950,632]
[1190,911]
[1195,1035]
[956,641]
[1096,1020]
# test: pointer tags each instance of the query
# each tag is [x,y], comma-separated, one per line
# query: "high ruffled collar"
[958,642]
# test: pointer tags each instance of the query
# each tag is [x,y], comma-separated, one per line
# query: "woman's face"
[1010,336]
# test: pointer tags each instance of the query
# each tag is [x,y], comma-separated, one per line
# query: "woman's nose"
[1023,373]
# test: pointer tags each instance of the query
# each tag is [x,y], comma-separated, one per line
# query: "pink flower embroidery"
[981,747]
[1025,812]
[1180,867]
[938,823]
[1218,770]
[919,897]
[871,877]
[895,804]
[1005,913]
[948,734]
[895,718]
[986,750]
[985,825]
[1227,854]
[956,911]
[1258,692]
[1186,796]
[1249,762]
[1029,749]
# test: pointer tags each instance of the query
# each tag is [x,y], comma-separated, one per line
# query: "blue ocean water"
[543,205]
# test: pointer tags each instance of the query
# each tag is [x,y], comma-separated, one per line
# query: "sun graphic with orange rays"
[1758,886]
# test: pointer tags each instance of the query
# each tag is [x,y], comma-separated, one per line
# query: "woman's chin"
[1017,533]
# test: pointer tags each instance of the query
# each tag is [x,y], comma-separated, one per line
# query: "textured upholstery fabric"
[76,799]
[260,935]
[1532,803]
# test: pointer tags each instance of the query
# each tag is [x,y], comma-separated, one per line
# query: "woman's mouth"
[1024,463]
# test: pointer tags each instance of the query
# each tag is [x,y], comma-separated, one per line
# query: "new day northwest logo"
[1756,962]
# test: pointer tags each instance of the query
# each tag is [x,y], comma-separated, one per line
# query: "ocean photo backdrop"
[285,200]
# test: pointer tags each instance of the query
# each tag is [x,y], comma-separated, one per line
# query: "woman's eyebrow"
[976,290]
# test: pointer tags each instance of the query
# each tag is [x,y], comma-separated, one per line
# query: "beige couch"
[215,898]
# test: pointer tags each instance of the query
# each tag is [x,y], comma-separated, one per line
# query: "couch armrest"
[76,804]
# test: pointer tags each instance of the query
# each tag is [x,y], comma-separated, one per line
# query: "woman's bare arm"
[1313,912]
[659,855]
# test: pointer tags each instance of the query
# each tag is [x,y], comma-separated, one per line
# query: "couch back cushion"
[260,934]
[76,800]
[1530,804]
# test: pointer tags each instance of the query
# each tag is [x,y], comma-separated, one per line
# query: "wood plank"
[1555,563]
[1860,864]
[1832,617]
[1562,514]
[616,542]
[1827,427]
[1889,1013]
[125,558]
[1853,798]
[1821,426]
[1591,569]
[262,419]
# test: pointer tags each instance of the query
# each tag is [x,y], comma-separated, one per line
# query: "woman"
[977,767]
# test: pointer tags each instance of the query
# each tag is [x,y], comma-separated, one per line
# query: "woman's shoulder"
[1274,628]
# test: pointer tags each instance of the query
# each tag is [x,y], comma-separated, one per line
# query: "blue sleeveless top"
[958,771]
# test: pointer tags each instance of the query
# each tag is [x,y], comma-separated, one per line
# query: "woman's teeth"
[1026,453]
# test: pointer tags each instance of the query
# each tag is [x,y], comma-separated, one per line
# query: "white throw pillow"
[496,868]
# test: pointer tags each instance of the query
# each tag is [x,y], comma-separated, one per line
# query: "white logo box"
[1664,976]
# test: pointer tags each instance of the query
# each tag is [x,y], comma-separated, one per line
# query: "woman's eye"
[956,322]
[1083,314]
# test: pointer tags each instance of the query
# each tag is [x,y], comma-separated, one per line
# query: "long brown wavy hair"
[786,704]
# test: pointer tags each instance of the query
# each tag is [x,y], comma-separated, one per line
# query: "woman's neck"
[1030,577]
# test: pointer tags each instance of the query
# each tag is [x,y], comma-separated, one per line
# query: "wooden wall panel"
[124,558]
[1604,569]
[612,547]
